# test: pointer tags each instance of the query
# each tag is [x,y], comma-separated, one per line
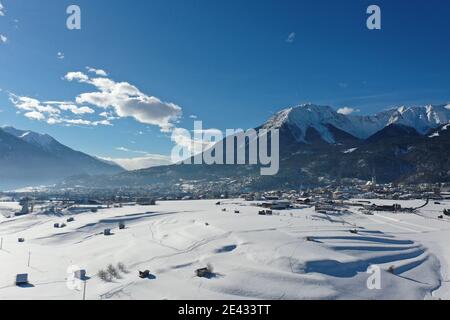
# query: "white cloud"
[78,122]
[3,38]
[83,122]
[127,101]
[52,121]
[132,151]
[291,37]
[51,111]
[347,111]
[35,115]
[150,160]
[76,110]
[108,115]
[98,72]
[2,10]
[30,105]
[118,99]
[78,76]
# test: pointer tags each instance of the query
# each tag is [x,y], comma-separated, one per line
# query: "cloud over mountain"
[115,99]
[126,100]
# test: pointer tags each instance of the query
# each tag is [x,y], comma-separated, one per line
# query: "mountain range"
[319,145]
[29,158]
[300,119]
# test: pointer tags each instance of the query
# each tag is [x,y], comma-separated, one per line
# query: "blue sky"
[230,63]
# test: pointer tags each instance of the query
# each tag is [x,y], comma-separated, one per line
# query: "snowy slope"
[318,117]
[43,141]
[254,257]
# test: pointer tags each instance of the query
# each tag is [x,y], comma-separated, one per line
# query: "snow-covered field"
[254,257]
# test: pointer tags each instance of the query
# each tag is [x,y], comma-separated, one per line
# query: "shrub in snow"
[113,272]
[104,276]
[122,267]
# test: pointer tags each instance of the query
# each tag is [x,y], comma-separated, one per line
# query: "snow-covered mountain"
[318,146]
[43,141]
[27,157]
[301,118]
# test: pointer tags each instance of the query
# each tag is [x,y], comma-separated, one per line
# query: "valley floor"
[294,254]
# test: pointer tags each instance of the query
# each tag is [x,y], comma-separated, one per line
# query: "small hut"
[21,279]
[144,274]
[80,274]
[203,272]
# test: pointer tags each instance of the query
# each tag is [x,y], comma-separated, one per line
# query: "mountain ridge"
[302,117]
[27,157]
[318,149]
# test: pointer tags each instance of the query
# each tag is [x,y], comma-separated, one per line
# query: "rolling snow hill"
[294,254]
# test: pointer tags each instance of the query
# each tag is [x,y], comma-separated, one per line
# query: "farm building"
[277,204]
[145,201]
[21,279]
[80,274]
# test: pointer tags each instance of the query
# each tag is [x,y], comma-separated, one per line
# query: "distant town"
[56,200]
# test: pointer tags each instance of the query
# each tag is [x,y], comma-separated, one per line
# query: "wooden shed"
[80,274]
[203,273]
[21,279]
